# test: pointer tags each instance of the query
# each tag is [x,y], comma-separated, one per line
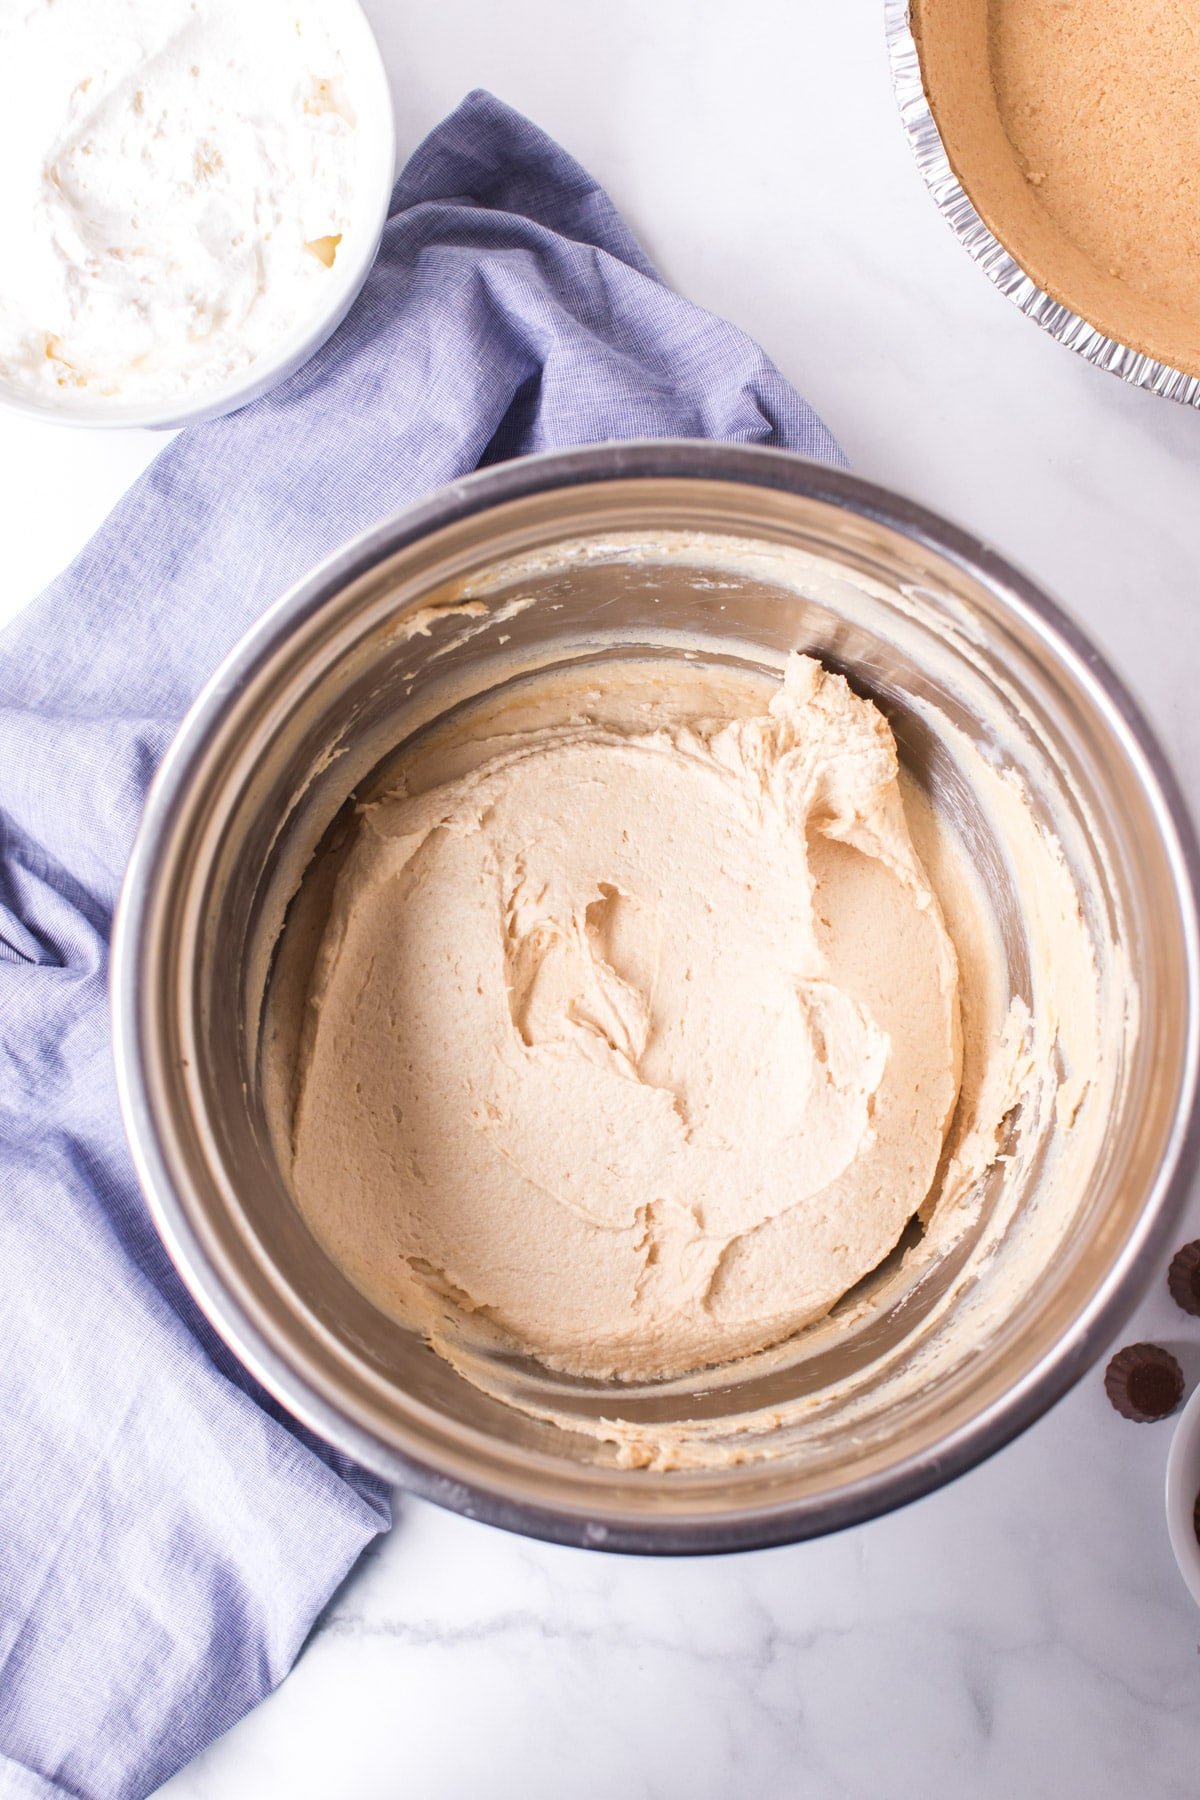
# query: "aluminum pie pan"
[1001,268]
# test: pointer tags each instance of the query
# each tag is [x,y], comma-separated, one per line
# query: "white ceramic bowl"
[1183,1485]
[376,126]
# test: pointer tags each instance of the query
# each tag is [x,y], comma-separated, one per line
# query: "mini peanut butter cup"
[1144,1382]
[1183,1277]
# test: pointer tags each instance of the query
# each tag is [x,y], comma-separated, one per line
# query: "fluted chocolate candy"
[1144,1382]
[1183,1277]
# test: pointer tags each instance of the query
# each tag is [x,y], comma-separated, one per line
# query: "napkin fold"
[167,1533]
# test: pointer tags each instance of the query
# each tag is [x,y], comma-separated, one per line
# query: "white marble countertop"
[1023,1633]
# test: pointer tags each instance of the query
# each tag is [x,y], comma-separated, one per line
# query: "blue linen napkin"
[167,1533]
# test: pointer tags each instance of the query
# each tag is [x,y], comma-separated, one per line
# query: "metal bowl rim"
[748,1527]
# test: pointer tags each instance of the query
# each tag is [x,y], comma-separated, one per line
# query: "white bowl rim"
[304,339]
[1181,1488]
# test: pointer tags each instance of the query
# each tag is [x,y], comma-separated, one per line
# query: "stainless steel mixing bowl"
[333,677]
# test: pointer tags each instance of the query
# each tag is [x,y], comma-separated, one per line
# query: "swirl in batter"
[639,1040]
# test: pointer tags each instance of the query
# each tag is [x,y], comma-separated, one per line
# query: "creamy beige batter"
[637,1040]
[1023,904]
[1075,130]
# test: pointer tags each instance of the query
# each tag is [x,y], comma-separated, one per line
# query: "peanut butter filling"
[637,1040]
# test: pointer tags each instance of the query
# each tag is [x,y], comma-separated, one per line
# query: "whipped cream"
[178,177]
